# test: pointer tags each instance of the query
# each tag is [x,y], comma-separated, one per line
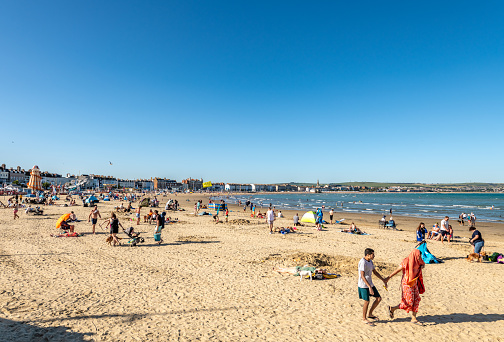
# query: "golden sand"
[215,282]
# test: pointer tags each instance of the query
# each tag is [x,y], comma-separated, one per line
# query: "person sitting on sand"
[434,232]
[420,232]
[72,217]
[353,229]
[296,220]
[65,226]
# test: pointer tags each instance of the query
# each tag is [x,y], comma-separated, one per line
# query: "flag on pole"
[207,184]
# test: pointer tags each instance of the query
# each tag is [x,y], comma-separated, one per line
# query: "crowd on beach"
[411,267]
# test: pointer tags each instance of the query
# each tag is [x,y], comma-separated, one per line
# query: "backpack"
[493,257]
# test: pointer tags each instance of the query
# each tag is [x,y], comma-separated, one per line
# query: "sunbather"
[353,229]
[295,270]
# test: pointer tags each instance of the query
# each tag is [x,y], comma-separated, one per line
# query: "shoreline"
[367,220]
[215,281]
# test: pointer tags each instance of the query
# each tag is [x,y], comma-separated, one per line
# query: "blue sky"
[254,91]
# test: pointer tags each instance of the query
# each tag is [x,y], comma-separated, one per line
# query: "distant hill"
[414,185]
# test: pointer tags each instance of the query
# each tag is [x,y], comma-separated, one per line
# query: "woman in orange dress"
[412,285]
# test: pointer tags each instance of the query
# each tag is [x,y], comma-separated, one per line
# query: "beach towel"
[427,257]
[354,233]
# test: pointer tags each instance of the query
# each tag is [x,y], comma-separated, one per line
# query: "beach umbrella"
[35,182]
[63,217]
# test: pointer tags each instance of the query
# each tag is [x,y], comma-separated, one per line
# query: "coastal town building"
[193,184]
[164,183]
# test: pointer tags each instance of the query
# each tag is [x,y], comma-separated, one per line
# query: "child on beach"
[16,210]
[227,214]
[366,286]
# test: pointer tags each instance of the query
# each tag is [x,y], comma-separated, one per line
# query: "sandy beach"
[214,282]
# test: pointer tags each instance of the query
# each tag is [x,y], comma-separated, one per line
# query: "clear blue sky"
[257,91]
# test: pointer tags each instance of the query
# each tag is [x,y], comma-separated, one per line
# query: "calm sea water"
[486,206]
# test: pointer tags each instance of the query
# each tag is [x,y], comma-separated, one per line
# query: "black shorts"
[93,221]
[114,230]
[330,217]
[445,232]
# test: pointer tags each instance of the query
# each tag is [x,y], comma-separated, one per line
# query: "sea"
[486,206]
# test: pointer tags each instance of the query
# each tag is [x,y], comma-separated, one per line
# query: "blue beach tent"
[92,199]
[427,257]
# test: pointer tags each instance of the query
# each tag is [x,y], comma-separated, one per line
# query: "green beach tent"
[309,217]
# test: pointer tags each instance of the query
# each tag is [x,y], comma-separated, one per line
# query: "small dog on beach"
[303,274]
[475,256]
[109,240]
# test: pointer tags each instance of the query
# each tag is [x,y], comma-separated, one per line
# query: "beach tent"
[106,199]
[309,217]
[92,199]
[427,257]
[30,195]
[145,202]
[55,197]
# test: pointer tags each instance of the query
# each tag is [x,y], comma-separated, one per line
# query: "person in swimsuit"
[16,210]
[93,217]
[137,213]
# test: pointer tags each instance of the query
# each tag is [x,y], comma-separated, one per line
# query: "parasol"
[35,182]
[63,217]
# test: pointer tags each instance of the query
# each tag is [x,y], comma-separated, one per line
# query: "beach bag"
[500,259]
[493,257]
[145,203]
[157,237]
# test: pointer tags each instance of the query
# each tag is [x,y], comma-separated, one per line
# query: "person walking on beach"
[366,287]
[331,215]
[93,217]
[318,221]
[270,217]
[411,283]
[114,224]
[16,210]
[476,240]
[445,229]
[461,219]
[159,226]
[472,219]
[137,214]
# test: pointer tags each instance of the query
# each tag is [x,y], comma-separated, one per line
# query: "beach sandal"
[391,314]
[372,317]
[371,324]
[418,323]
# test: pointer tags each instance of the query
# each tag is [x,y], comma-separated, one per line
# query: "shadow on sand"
[24,332]
[455,318]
